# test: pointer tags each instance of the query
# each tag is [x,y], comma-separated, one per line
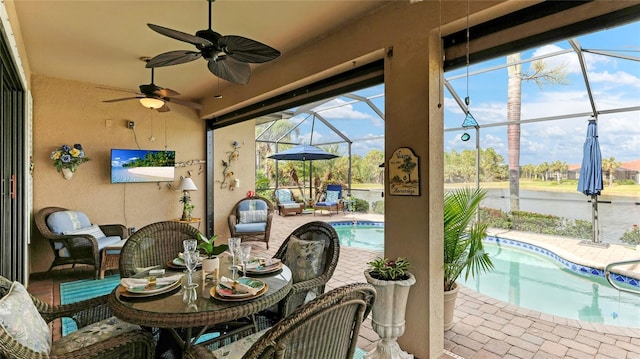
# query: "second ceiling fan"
[228,57]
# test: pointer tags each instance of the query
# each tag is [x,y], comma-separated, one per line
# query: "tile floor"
[484,327]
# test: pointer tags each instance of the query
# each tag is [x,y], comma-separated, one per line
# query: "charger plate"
[138,292]
[223,291]
[215,295]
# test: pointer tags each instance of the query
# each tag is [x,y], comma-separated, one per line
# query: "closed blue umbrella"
[590,181]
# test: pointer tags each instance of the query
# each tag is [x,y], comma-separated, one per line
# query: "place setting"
[149,286]
[242,288]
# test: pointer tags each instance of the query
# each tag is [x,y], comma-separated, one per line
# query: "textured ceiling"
[101,42]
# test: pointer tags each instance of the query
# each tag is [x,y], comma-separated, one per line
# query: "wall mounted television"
[136,166]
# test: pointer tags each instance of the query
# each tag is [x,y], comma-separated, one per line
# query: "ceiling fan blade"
[230,70]
[119,90]
[164,108]
[123,99]
[186,103]
[173,58]
[247,50]
[165,92]
[179,35]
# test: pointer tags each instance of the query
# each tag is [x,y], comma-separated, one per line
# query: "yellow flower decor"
[68,157]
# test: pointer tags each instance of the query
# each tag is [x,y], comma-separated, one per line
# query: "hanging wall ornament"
[469,120]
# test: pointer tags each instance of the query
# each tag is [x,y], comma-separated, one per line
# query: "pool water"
[365,235]
[542,283]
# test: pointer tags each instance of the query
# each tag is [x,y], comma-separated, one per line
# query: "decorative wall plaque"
[404,179]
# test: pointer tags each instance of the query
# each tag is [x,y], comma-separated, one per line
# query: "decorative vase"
[67,173]
[388,316]
[450,306]
[211,265]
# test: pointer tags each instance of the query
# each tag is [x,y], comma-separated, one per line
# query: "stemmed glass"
[190,245]
[191,262]
[245,254]
[234,245]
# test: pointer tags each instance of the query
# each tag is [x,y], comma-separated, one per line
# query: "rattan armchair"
[154,245]
[76,248]
[131,342]
[326,328]
[250,219]
[312,231]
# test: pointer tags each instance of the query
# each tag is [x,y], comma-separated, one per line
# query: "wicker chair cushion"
[91,334]
[304,258]
[20,319]
[93,230]
[253,216]
[251,227]
[284,196]
[332,196]
[250,204]
[65,221]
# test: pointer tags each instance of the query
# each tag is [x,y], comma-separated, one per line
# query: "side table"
[110,257]
[193,221]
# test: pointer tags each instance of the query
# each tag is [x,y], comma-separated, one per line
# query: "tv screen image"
[129,166]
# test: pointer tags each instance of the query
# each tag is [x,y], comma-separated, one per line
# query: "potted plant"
[463,250]
[392,282]
[207,245]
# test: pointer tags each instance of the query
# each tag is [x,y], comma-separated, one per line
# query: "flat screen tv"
[134,166]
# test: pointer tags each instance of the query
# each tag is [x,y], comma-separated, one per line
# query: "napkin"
[239,287]
[258,263]
[141,282]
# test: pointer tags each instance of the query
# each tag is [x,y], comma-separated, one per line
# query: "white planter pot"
[67,173]
[450,306]
[210,265]
[388,316]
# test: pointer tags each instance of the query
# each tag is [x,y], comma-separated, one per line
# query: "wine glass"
[191,262]
[234,244]
[245,253]
[190,245]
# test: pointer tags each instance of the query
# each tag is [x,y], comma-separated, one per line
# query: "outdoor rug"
[71,292]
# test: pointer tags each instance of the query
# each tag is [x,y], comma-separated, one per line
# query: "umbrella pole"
[594,219]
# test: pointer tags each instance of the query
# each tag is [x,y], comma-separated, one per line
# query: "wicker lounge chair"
[73,238]
[285,202]
[250,219]
[326,327]
[99,335]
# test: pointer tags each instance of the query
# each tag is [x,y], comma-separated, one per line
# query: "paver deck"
[484,327]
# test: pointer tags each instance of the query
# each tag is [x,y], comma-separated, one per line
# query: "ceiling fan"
[228,56]
[155,97]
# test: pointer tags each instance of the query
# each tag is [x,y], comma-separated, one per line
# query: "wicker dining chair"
[327,328]
[326,258]
[250,219]
[154,245]
[24,329]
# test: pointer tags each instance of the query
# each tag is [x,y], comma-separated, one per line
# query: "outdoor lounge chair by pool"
[332,200]
[286,203]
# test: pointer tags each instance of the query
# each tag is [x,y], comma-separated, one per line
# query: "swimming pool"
[361,234]
[535,278]
[531,277]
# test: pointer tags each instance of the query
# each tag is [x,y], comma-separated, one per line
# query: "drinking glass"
[234,245]
[245,254]
[190,245]
[191,262]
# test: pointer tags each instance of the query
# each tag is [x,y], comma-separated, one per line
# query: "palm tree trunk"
[513,128]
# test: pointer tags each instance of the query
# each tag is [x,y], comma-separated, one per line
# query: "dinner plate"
[223,291]
[141,292]
[179,263]
[214,294]
[265,269]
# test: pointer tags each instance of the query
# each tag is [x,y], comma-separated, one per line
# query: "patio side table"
[110,257]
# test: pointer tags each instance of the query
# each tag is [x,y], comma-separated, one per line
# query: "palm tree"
[558,167]
[541,76]
[609,165]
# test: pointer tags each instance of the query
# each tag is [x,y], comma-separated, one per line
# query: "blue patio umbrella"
[590,181]
[304,153]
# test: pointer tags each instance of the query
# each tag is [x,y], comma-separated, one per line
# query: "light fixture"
[151,102]
[186,185]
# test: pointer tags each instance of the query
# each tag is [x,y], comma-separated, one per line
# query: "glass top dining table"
[176,309]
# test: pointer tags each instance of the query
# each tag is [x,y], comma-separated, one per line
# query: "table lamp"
[186,185]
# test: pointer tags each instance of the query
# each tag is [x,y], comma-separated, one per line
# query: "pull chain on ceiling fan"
[228,57]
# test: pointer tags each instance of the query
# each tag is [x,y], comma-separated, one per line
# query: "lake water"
[616,214]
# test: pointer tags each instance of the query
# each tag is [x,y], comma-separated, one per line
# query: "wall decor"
[404,169]
[66,159]
[228,179]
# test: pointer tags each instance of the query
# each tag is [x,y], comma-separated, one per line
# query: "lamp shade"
[152,103]
[186,184]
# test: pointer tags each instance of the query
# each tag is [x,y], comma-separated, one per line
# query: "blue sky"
[615,83]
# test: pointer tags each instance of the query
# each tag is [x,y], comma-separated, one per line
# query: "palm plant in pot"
[392,282]
[463,250]
[207,245]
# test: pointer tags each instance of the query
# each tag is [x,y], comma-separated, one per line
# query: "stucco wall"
[68,112]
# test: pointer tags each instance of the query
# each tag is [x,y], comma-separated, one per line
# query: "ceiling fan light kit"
[152,103]
[228,57]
